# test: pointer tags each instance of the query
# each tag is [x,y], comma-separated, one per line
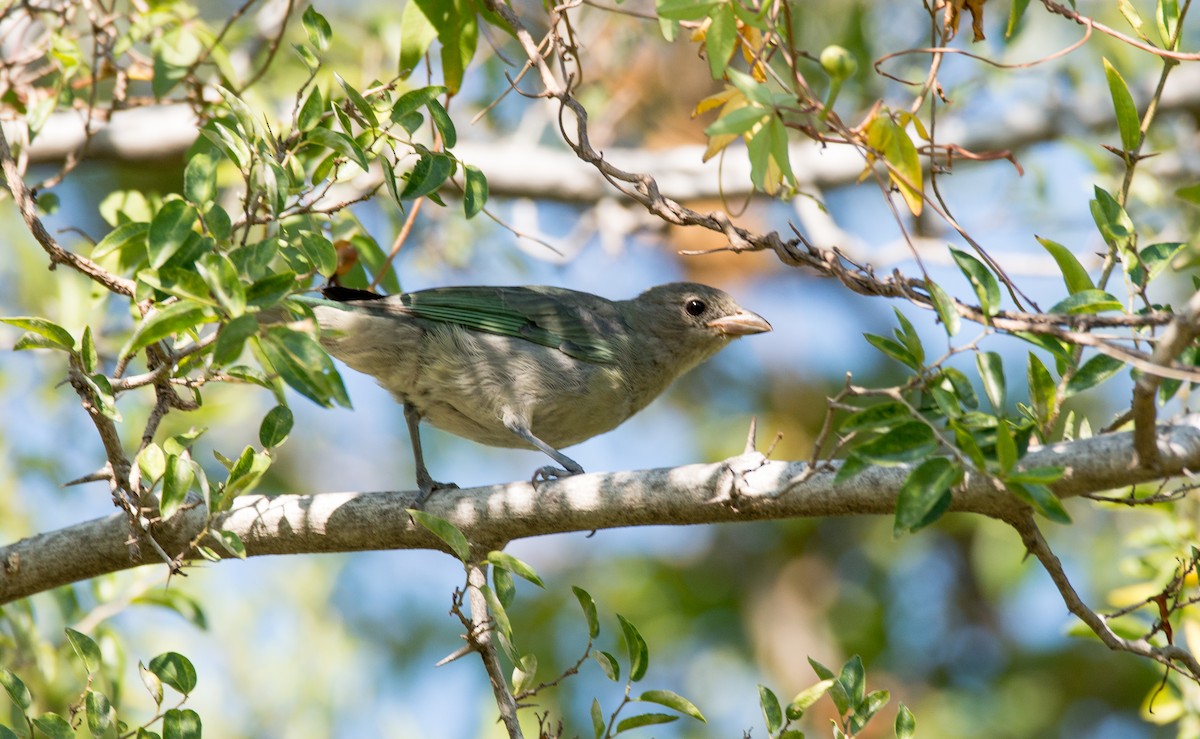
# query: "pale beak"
[741,323]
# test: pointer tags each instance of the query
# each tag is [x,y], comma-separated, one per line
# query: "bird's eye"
[695,307]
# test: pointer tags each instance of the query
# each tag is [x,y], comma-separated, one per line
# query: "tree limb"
[744,488]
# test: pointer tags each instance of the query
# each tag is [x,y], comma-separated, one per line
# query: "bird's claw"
[550,472]
[426,490]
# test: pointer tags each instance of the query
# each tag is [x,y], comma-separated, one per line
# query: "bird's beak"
[741,323]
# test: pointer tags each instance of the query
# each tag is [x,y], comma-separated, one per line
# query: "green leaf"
[894,350]
[925,494]
[991,372]
[169,229]
[133,232]
[639,654]
[1074,275]
[177,481]
[152,682]
[908,442]
[685,10]
[152,463]
[1037,475]
[836,692]
[1043,391]
[181,724]
[1189,193]
[232,339]
[597,716]
[720,39]
[1015,14]
[1006,447]
[737,121]
[7,733]
[200,176]
[1043,500]
[181,283]
[222,278]
[504,585]
[524,673]
[1093,372]
[319,251]
[1153,260]
[232,543]
[877,417]
[982,281]
[909,337]
[427,175]
[99,713]
[945,307]
[589,610]
[311,112]
[168,321]
[304,365]
[359,102]
[54,726]
[853,680]
[416,34]
[102,394]
[413,100]
[446,531]
[275,426]
[608,664]
[867,709]
[475,192]
[16,689]
[807,697]
[644,719]
[175,670]
[245,473]
[958,383]
[1126,110]
[1087,301]
[673,701]
[317,28]
[85,648]
[340,143]
[497,612]
[772,712]
[906,723]
[57,336]
[443,123]
[1166,15]
[515,566]
[1114,224]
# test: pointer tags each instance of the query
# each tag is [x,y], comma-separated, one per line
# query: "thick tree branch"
[744,488]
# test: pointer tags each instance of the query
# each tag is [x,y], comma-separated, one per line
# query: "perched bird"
[526,367]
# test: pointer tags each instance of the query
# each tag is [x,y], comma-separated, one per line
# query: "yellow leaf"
[721,98]
[892,143]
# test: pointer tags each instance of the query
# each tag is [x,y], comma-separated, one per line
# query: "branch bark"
[743,488]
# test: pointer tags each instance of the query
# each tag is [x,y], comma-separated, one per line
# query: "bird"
[533,367]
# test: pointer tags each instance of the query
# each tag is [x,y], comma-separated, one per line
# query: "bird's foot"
[427,488]
[550,472]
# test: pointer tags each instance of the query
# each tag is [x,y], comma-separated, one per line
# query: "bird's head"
[691,321]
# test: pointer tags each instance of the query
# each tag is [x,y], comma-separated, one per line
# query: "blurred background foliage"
[951,620]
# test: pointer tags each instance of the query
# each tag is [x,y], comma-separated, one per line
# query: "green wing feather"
[580,325]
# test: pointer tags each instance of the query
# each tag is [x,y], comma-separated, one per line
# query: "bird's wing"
[580,325]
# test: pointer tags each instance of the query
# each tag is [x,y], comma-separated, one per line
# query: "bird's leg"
[425,482]
[549,472]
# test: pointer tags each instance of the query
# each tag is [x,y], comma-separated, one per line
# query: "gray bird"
[526,367]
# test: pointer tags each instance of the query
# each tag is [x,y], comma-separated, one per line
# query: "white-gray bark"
[743,488]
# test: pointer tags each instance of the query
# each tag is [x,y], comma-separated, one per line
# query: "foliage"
[203,280]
